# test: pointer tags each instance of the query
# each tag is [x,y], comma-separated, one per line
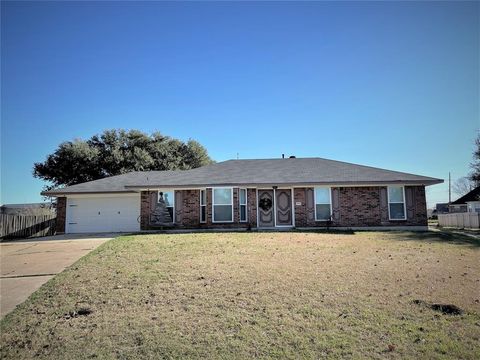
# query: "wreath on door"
[265,204]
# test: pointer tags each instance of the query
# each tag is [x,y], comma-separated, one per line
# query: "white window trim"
[315,201]
[213,205]
[240,204]
[397,202]
[204,205]
[173,201]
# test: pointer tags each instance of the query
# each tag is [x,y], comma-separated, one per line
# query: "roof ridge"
[331,160]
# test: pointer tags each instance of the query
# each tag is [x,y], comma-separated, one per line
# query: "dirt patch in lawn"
[447,309]
[269,295]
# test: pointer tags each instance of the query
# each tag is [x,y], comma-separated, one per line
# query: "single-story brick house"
[261,193]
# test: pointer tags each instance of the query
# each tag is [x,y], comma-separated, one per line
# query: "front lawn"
[268,295]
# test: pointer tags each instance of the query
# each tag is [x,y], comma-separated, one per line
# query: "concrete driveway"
[27,264]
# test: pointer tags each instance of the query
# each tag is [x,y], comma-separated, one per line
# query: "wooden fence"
[466,220]
[20,226]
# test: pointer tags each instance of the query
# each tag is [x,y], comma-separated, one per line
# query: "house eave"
[129,189]
[64,193]
[285,184]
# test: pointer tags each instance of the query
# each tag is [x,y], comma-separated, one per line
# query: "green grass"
[266,295]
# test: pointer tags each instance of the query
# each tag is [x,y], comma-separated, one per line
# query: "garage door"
[103,214]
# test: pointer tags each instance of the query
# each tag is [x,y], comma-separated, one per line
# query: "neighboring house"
[263,194]
[27,209]
[440,208]
[469,202]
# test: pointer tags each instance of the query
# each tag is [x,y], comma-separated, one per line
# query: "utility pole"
[449,188]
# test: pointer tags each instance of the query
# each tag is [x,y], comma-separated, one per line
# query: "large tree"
[116,152]
[463,186]
[475,165]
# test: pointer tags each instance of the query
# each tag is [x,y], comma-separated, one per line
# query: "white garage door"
[103,214]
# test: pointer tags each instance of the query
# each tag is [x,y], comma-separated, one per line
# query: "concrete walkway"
[25,265]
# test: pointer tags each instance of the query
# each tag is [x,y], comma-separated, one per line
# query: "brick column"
[209,207]
[252,207]
[145,209]
[190,209]
[236,207]
[61,215]
[300,210]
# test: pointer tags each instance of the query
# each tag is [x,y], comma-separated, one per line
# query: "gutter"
[62,193]
[129,189]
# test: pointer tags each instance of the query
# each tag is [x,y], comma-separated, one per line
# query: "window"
[203,206]
[222,205]
[242,199]
[168,197]
[323,204]
[396,203]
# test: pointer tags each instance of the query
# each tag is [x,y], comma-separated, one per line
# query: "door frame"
[275,188]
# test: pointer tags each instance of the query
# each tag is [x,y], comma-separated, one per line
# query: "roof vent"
[283,156]
[292,157]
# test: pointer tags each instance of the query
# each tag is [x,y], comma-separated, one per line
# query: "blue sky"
[393,85]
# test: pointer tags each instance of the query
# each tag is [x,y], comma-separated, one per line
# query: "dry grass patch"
[268,295]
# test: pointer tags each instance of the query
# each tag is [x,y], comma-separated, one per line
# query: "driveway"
[27,264]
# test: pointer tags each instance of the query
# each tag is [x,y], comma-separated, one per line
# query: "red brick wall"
[361,206]
[236,214]
[190,208]
[145,208]
[252,207]
[187,210]
[61,215]
[209,208]
[351,206]
[300,209]
[417,209]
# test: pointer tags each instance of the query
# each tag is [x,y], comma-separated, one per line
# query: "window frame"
[315,201]
[173,201]
[203,206]
[397,202]
[213,204]
[240,206]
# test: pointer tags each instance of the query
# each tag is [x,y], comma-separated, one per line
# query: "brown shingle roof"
[473,195]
